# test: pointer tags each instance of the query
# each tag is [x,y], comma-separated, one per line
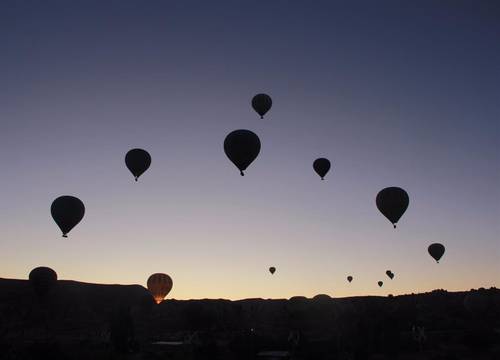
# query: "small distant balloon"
[392,202]
[321,166]
[242,148]
[42,279]
[137,161]
[67,211]
[272,269]
[380,283]
[349,278]
[436,250]
[390,274]
[159,285]
[262,103]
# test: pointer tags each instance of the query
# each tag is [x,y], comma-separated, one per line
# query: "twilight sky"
[393,93]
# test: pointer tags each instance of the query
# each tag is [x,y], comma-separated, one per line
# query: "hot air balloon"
[392,203]
[272,269]
[380,283]
[390,274]
[67,211]
[159,285]
[262,103]
[321,166]
[349,278]
[436,250]
[137,161]
[42,279]
[242,147]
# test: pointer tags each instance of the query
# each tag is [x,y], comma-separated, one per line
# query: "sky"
[393,93]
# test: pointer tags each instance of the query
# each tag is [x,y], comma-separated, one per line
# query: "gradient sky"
[394,93]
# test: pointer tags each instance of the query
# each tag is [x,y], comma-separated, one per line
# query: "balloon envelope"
[392,203]
[390,274]
[349,278]
[137,161]
[159,285]
[262,103]
[380,283]
[242,148]
[42,279]
[272,269]
[436,250]
[67,211]
[321,166]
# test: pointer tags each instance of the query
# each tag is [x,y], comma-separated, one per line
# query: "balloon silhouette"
[390,274]
[42,279]
[67,211]
[321,166]
[349,278]
[380,283]
[272,269]
[392,203]
[242,147]
[159,285]
[436,250]
[137,161]
[262,103]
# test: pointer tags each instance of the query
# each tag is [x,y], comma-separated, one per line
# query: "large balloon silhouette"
[436,250]
[242,147]
[392,203]
[137,161]
[349,278]
[42,279]
[321,166]
[159,285]
[272,269]
[262,103]
[67,211]
[390,274]
[380,283]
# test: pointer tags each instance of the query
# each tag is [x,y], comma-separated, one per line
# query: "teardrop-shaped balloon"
[349,278]
[380,283]
[436,250]
[390,274]
[159,285]
[272,269]
[392,203]
[137,161]
[321,166]
[67,211]
[42,279]
[242,148]
[262,103]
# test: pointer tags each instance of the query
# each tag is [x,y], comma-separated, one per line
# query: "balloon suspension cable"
[322,178]
[241,173]
[394,225]
[64,235]
[262,116]
[136,178]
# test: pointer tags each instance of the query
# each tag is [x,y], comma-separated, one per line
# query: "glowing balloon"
[159,285]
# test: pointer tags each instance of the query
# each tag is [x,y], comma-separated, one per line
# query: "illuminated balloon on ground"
[159,285]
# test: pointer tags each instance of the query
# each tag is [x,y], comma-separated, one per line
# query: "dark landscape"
[89,321]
